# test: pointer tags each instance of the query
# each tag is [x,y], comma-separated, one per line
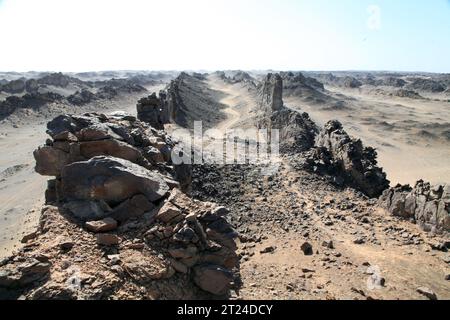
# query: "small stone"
[114,259]
[105,225]
[307,249]
[268,250]
[427,292]
[29,237]
[66,244]
[107,239]
[359,241]
[328,244]
[168,213]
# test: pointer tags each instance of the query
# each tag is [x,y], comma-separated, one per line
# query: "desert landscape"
[356,208]
[225,158]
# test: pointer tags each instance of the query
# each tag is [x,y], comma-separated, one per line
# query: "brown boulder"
[114,148]
[144,267]
[169,213]
[107,239]
[50,161]
[132,208]
[110,179]
[213,279]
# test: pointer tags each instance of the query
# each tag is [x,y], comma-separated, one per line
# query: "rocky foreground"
[116,224]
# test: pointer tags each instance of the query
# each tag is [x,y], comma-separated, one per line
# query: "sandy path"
[238,99]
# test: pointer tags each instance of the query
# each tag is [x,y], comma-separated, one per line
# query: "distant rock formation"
[428,85]
[271,93]
[295,82]
[393,82]
[82,97]
[186,99]
[402,93]
[427,205]
[337,154]
[350,82]
[344,82]
[58,80]
[14,86]
[296,130]
[154,110]
[28,100]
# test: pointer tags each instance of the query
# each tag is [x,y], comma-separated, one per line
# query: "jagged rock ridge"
[186,99]
[337,154]
[427,205]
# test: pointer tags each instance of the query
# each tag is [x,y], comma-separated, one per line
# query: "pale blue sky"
[81,35]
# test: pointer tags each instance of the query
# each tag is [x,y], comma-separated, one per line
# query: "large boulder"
[110,179]
[50,161]
[123,227]
[213,279]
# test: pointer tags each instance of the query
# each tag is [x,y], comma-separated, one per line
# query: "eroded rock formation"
[427,205]
[116,223]
[186,99]
[337,154]
[296,130]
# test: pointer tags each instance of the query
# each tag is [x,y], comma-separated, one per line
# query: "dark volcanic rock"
[15,86]
[336,153]
[428,205]
[426,85]
[111,179]
[296,130]
[271,93]
[28,100]
[153,110]
[82,97]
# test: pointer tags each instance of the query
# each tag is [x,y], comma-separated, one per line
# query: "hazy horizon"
[323,35]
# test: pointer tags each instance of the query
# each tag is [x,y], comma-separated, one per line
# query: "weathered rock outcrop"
[116,224]
[130,146]
[154,110]
[427,205]
[186,99]
[14,86]
[296,130]
[429,85]
[296,83]
[58,80]
[402,93]
[82,97]
[271,93]
[337,154]
[27,101]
